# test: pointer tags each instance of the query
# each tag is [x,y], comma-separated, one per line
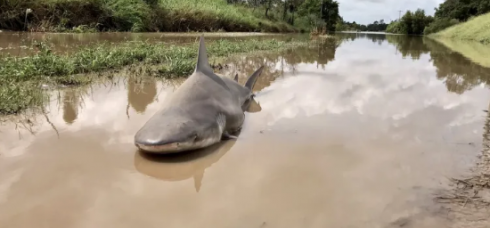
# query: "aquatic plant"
[19,96]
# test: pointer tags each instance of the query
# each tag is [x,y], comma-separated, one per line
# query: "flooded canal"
[21,43]
[360,131]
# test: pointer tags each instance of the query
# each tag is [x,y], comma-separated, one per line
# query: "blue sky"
[367,11]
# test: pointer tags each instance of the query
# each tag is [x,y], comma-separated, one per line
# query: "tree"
[406,22]
[377,26]
[268,7]
[411,23]
[419,21]
[325,10]
[462,10]
[330,13]
[304,13]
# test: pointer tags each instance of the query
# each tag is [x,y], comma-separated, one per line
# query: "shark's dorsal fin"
[253,78]
[202,58]
[198,180]
[236,77]
[203,67]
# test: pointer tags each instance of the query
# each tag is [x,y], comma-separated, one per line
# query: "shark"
[205,109]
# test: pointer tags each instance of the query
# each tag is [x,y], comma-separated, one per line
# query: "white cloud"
[346,87]
[367,11]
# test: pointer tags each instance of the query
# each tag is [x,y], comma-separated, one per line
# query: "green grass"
[475,51]
[21,77]
[16,97]
[212,13]
[135,15]
[476,29]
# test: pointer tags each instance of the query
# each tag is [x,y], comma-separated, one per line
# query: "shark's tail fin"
[253,78]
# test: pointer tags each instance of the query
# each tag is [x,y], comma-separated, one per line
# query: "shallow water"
[361,131]
[23,43]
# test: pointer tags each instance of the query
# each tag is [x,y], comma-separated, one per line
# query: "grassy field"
[476,29]
[21,77]
[134,15]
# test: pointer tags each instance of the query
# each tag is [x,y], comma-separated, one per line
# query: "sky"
[368,11]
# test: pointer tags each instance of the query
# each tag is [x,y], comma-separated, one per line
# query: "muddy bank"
[136,16]
[468,201]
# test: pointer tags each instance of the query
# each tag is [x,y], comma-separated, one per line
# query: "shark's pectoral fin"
[254,106]
[253,78]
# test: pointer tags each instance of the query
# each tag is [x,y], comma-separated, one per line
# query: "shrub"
[395,27]
[439,24]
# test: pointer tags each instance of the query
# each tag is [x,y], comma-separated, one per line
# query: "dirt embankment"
[468,203]
[475,29]
[125,15]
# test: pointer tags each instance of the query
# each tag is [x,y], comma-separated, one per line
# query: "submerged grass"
[21,77]
[476,29]
[475,51]
[16,97]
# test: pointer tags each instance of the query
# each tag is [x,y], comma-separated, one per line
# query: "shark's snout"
[176,137]
[156,142]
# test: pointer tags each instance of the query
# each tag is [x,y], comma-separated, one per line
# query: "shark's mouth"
[162,148]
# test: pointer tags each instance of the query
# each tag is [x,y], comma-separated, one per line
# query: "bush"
[152,2]
[395,27]
[302,23]
[439,24]
[412,23]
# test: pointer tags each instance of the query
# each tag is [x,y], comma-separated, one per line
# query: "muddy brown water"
[360,131]
[22,43]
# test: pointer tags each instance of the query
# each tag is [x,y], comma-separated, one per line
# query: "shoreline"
[83,16]
[21,77]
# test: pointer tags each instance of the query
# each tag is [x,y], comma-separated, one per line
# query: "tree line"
[411,23]
[452,12]
[303,14]
[376,26]
[449,13]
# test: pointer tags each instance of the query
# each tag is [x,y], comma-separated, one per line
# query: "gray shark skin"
[202,111]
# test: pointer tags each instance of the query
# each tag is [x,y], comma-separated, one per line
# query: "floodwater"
[22,43]
[360,131]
